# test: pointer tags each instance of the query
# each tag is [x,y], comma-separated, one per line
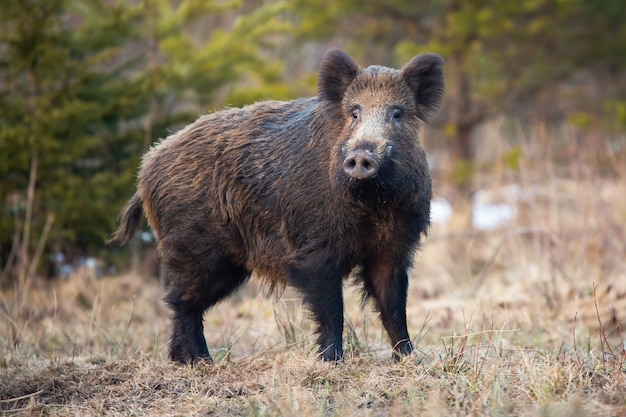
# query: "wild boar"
[304,193]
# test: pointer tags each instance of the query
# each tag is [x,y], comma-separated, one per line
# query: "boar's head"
[378,112]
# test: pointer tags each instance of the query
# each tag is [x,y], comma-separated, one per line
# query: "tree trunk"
[464,149]
[22,281]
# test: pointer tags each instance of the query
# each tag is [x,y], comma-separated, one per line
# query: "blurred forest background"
[86,86]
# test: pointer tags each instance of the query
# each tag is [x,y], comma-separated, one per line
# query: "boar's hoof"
[187,357]
[360,165]
[331,354]
[401,349]
[189,349]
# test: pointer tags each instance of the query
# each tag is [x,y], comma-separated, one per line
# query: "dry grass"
[523,320]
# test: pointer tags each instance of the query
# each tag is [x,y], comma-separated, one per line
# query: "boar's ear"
[337,71]
[424,74]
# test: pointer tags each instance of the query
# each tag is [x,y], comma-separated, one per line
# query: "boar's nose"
[360,165]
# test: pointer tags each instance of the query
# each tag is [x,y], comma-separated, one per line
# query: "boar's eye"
[396,114]
[356,114]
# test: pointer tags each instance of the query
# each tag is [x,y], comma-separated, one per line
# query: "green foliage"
[580,120]
[86,86]
[617,113]
[461,174]
[186,70]
[513,158]
[501,53]
[60,103]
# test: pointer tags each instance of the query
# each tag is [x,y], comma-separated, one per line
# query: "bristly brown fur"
[302,193]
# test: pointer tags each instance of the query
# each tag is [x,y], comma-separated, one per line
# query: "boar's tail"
[129,221]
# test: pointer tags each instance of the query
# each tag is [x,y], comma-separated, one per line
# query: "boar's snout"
[360,164]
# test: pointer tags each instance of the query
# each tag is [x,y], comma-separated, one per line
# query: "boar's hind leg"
[388,285]
[189,297]
[322,293]
[187,343]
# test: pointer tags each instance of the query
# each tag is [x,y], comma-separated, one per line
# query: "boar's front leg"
[388,283]
[321,289]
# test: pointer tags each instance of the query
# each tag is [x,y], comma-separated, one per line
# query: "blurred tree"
[65,140]
[85,87]
[197,48]
[499,55]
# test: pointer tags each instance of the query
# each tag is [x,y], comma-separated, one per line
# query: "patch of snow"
[440,210]
[492,216]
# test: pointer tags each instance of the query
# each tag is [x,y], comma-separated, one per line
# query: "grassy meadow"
[521,320]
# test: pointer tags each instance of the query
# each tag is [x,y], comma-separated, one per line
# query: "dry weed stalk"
[617,360]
